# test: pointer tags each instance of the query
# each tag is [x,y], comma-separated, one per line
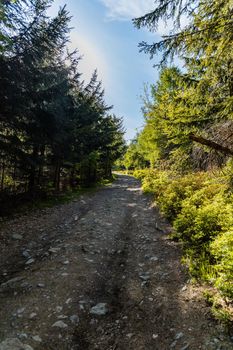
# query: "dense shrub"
[222,250]
[199,224]
[153,181]
[200,206]
[177,191]
[141,173]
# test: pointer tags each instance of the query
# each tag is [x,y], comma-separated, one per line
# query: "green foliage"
[200,206]
[199,224]
[154,181]
[220,308]
[140,174]
[56,131]
[134,157]
[177,191]
[188,123]
[192,104]
[222,250]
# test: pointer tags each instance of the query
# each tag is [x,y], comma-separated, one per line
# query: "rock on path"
[14,344]
[99,273]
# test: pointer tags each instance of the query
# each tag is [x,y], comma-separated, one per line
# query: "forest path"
[99,273]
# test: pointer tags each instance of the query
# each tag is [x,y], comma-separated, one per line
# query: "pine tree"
[53,127]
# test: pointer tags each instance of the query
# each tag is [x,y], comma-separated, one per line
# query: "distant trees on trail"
[55,130]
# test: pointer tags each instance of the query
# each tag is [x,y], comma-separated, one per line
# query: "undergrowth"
[200,207]
[19,205]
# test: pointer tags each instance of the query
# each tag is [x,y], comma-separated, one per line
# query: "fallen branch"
[211,144]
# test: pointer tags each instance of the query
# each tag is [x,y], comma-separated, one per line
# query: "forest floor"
[100,273]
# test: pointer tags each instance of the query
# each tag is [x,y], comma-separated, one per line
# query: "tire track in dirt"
[109,289]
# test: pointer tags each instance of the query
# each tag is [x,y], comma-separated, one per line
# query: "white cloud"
[127,9]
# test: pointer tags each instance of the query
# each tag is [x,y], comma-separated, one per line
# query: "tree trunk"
[32,175]
[3,176]
[71,180]
[56,182]
[41,166]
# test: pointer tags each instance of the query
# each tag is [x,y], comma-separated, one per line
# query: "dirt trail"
[100,273]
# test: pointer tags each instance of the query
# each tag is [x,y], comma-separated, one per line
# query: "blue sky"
[104,34]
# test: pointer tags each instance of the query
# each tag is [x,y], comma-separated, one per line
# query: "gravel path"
[99,273]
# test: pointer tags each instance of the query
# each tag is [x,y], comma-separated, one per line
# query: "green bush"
[153,181]
[156,182]
[200,206]
[222,249]
[172,191]
[199,224]
[141,173]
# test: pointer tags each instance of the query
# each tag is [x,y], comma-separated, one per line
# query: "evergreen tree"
[55,130]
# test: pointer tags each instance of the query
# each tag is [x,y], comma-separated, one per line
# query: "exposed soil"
[110,247]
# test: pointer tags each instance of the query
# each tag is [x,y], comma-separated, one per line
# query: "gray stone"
[154,258]
[37,338]
[173,344]
[144,283]
[17,237]
[14,344]
[129,335]
[21,310]
[54,250]
[22,336]
[147,256]
[99,309]
[62,317]
[59,308]
[74,319]
[60,324]
[26,254]
[145,276]
[179,335]
[66,262]
[30,261]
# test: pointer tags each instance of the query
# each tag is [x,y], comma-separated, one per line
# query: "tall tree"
[52,124]
[205,46]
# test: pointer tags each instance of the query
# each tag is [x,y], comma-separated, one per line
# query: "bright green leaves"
[201,210]
[198,98]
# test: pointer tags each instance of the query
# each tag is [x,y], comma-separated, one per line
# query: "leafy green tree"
[205,45]
[134,157]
